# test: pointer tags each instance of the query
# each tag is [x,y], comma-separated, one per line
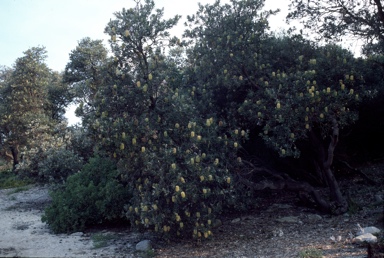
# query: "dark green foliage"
[58,165]
[90,197]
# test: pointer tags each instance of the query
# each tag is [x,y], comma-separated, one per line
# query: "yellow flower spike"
[198,214]
[208,122]
[192,161]
[174,150]
[182,194]
[114,155]
[282,151]
[136,210]
[122,146]
[181,224]
[292,135]
[204,191]
[126,33]
[278,106]
[328,90]
[228,180]
[236,131]
[173,166]
[182,180]
[177,125]
[307,126]
[216,162]
[206,234]
[150,76]
[199,137]
[146,221]
[154,206]
[202,178]
[173,198]
[113,38]
[351,91]
[342,86]
[123,135]
[133,141]
[235,144]
[321,115]
[143,149]
[192,134]
[242,133]
[203,155]
[197,159]
[210,177]
[177,188]
[198,234]
[138,84]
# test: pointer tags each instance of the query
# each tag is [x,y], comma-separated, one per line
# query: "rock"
[368,237]
[77,234]
[314,217]
[144,246]
[289,219]
[371,230]
[235,220]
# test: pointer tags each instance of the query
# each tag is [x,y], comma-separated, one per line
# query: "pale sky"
[60,24]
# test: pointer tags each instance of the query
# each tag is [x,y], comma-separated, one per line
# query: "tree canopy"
[338,20]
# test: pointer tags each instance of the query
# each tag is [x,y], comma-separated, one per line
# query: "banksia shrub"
[179,166]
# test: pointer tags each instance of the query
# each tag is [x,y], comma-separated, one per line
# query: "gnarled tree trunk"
[324,157]
[15,155]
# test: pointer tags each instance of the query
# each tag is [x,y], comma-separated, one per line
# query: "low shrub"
[58,165]
[52,165]
[90,197]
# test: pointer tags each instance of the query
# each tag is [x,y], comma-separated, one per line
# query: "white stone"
[289,219]
[372,230]
[368,237]
[144,246]
[235,220]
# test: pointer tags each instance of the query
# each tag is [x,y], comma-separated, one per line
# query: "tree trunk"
[15,155]
[325,154]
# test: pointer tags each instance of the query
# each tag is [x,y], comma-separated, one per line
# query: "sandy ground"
[22,234]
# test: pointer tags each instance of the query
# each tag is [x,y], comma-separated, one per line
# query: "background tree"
[59,97]
[86,72]
[24,98]
[338,20]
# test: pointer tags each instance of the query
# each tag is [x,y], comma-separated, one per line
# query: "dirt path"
[22,234]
